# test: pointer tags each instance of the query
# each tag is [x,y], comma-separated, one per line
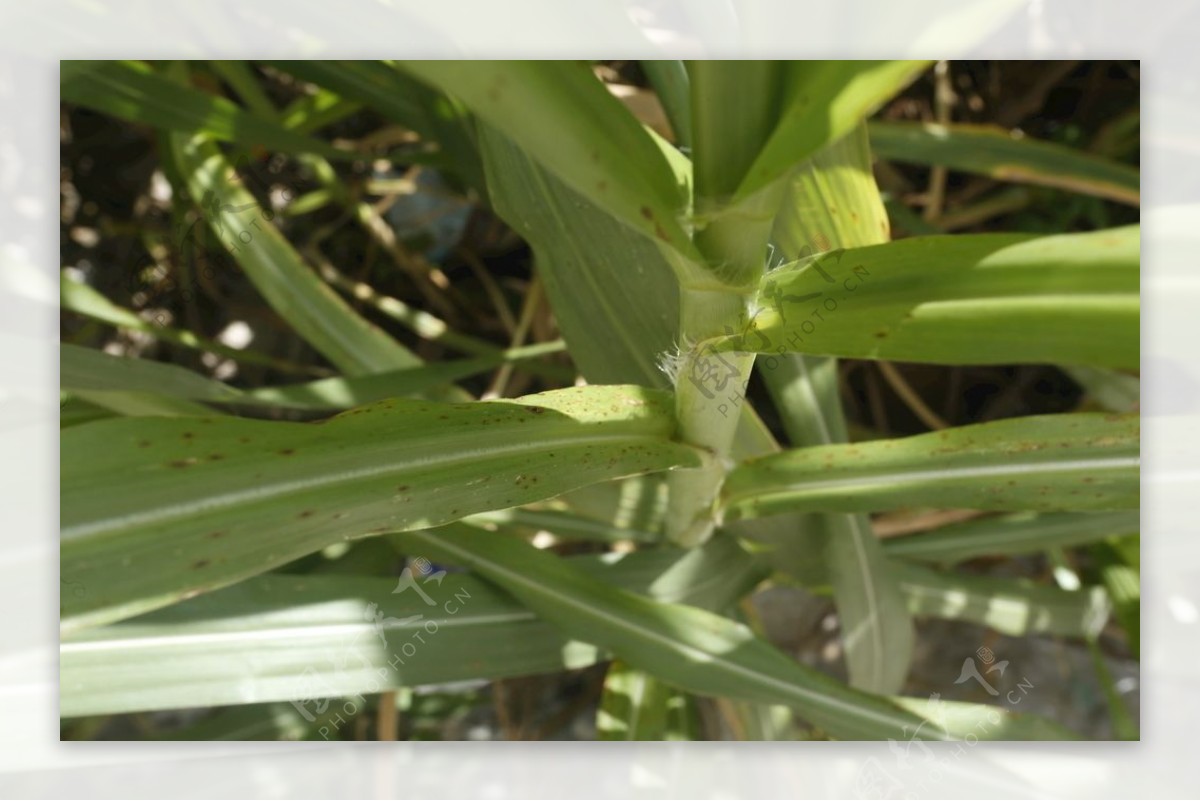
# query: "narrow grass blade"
[1010,606]
[80,298]
[155,511]
[635,706]
[735,108]
[1055,462]
[686,647]
[321,317]
[1011,535]
[671,83]
[131,90]
[967,299]
[986,150]
[304,638]
[821,102]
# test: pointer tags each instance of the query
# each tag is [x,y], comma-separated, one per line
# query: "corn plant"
[226,545]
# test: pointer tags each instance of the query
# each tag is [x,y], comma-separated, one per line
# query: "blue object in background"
[433,216]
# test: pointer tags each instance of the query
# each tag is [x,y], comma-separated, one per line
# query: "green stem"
[709,391]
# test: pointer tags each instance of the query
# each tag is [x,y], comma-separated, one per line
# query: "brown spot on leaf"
[200,563]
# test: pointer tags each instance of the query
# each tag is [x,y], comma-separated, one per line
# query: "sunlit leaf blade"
[635,706]
[154,511]
[832,201]
[986,722]
[1054,462]
[304,638]
[561,115]
[684,646]
[821,102]
[986,150]
[687,647]
[968,299]
[1010,606]
[317,313]
[130,90]
[401,99]
[1010,535]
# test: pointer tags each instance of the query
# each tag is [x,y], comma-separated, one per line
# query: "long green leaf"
[986,150]
[302,638]
[671,83]
[822,102]
[154,511]
[132,91]
[686,647]
[1010,535]
[562,116]
[735,106]
[289,286]
[1010,606]
[969,299]
[103,377]
[1053,462]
